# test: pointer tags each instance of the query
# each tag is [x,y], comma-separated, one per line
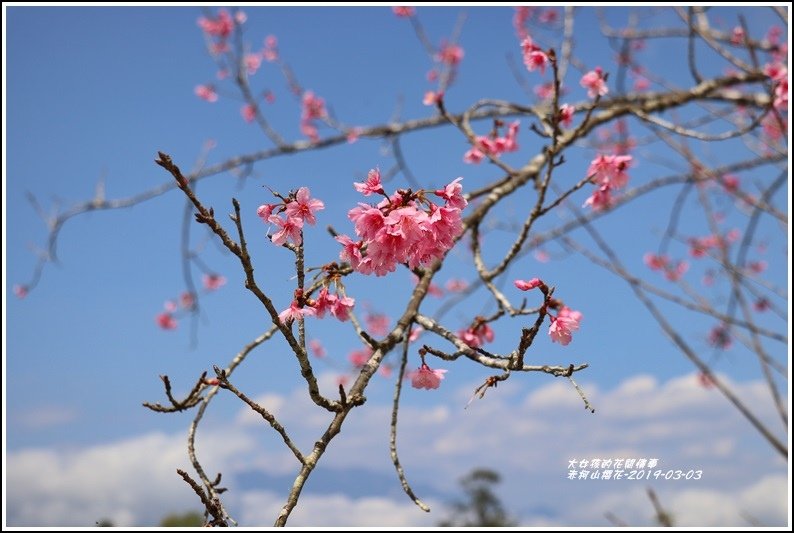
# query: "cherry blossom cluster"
[700,246]
[312,109]
[779,74]
[477,334]
[524,14]
[608,173]
[493,145]
[167,319]
[673,271]
[336,304]
[403,11]
[720,337]
[534,57]
[567,320]
[595,82]
[219,28]
[406,227]
[289,216]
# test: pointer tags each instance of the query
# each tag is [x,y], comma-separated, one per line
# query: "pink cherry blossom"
[213,282]
[561,328]
[601,199]
[377,323]
[359,358]
[372,185]
[218,48]
[335,305]
[403,11]
[20,291]
[353,134]
[493,146]
[737,35]
[544,91]
[416,332]
[548,16]
[534,57]
[385,371]
[325,302]
[351,251]
[756,267]
[594,82]
[761,305]
[220,26]
[248,111]
[290,230]
[264,211]
[477,335]
[473,156]
[720,337]
[528,285]
[451,54]
[566,115]
[304,207]
[655,262]
[541,255]
[295,312]
[427,378]
[309,130]
[166,321]
[641,84]
[313,106]
[344,305]
[456,285]
[368,221]
[270,52]
[781,94]
[520,19]
[206,92]
[317,348]
[676,272]
[452,193]
[170,306]
[730,182]
[610,170]
[574,317]
[187,300]
[252,63]
[432,97]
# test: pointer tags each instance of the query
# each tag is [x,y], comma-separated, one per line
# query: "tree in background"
[481,506]
[188,519]
[621,116]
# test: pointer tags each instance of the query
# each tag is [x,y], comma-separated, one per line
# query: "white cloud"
[45,417]
[527,436]
[334,510]
[694,507]
[131,482]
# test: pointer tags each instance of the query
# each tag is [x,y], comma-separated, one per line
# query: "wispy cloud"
[44,417]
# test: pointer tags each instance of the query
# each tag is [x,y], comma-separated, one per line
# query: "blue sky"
[95,92]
